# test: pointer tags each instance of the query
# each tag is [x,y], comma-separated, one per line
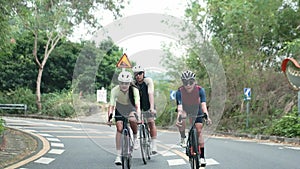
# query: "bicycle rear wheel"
[126,154]
[143,143]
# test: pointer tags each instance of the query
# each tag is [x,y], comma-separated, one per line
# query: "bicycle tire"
[143,143]
[126,154]
[148,152]
[194,159]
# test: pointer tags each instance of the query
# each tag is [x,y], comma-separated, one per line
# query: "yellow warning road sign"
[124,62]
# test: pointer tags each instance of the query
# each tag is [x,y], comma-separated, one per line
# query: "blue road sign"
[172,94]
[247,93]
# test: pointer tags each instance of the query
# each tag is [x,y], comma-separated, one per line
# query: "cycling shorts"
[123,111]
[192,112]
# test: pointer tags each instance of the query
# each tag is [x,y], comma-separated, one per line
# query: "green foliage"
[167,116]
[107,63]
[58,72]
[256,30]
[58,104]
[17,68]
[18,96]
[287,126]
[96,66]
[20,65]
[2,126]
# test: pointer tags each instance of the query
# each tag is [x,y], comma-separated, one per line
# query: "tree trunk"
[38,89]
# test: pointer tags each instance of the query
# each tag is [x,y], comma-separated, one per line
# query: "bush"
[2,127]
[19,96]
[58,104]
[287,126]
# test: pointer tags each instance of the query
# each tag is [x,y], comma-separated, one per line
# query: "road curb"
[44,149]
[276,139]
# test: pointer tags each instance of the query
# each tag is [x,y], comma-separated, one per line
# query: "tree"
[58,73]
[252,31]
[250,38]
[17,66]
[20,65]
[96,66]
[57,19]
[107,63]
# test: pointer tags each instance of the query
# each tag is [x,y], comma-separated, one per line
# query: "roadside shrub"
[58,104]
[287,126]
[19,96]
[2,127]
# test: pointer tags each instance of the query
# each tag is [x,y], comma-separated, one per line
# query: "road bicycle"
[126,144]
[145,139]
[192,149]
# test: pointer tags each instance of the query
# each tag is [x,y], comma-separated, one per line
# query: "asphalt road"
[92,146]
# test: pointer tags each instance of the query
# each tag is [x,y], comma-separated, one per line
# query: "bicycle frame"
[192,148]
[126,145]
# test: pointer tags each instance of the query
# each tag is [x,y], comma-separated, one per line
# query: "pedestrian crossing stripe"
[176,162]
[44,160]
[56,151]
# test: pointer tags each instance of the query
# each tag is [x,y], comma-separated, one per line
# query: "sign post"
[172,97]
[247,98]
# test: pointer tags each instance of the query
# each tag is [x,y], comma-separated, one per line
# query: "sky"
[145,49]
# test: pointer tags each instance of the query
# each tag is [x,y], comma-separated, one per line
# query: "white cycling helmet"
[125,77]
[138,68]
[187,75]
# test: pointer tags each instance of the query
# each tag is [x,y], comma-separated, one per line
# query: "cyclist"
[121,104]
[146,88]
[191,100]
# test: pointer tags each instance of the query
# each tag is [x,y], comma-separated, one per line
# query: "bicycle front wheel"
[143,143]
[148,140]
[126,154]
[194,158]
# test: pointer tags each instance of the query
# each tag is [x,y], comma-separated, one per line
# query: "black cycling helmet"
[187,75]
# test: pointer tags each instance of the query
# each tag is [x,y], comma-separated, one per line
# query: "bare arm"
[151,100]
[204,110]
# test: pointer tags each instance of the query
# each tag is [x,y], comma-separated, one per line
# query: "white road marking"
[294,148]
[32,131]
[166,153]
[56,151]
[65,126]
[271,144]
[173,145]
[211,161]
[76,128]
[44,160]
[57,145]
[53,139]
[176,162]
[45,135]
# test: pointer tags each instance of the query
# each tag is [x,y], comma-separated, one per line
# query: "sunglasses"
[124,83]
[188,82]
[140,73]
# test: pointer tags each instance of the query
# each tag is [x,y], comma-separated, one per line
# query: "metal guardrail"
[14,107]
